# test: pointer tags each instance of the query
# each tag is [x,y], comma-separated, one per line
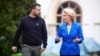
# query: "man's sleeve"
[44,34]
[18,33]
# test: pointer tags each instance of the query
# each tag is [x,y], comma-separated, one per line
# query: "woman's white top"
[69,28]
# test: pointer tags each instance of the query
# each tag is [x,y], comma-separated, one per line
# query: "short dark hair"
[33,6]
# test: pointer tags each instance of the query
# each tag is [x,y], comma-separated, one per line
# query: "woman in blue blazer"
[70,33]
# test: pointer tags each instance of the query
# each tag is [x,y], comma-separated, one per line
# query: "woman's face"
[65,17]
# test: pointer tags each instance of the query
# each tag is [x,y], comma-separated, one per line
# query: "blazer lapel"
[65,29]
[71,30]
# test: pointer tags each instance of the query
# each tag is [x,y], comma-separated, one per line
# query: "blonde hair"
[70,12]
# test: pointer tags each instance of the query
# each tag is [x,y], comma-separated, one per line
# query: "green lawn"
[20,54]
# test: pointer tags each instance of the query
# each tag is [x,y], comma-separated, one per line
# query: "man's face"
[36,11]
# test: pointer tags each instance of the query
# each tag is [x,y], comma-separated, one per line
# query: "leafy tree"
[11,11]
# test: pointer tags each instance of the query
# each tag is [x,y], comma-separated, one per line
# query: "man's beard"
[37,15]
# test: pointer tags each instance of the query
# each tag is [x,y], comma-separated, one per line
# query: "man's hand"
[76,40]
[42,49]
[14,48]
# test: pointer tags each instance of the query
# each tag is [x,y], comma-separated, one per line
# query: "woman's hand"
[58,39]
[76,40]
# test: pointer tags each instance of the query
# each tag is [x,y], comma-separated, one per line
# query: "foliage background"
[11,11]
